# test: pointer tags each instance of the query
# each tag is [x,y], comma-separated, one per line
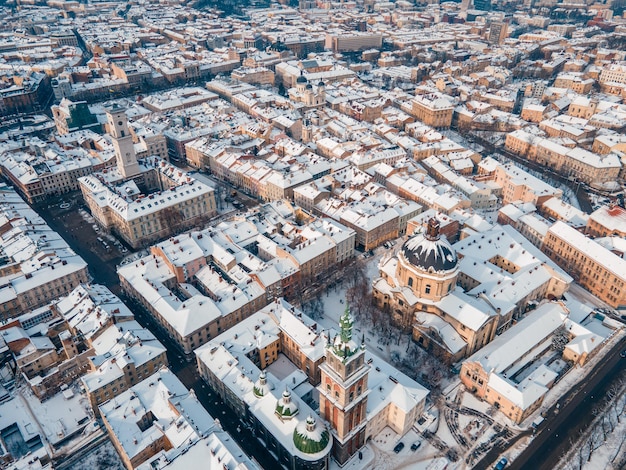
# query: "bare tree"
[314,308]
[357,273]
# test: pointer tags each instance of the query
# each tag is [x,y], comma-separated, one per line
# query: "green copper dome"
[286,408]
[310,438]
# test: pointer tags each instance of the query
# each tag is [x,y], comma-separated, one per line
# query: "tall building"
[148,202]
[482,5]
[123,142]
[343,391]
[498,32]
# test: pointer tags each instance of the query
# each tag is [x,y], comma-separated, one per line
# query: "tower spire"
[346,323]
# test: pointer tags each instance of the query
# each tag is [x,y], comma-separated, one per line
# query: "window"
[427,289]
[410,282]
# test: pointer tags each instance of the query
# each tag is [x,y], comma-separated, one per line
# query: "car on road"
[501,463]
[399,446]
[416,445]
[623,354]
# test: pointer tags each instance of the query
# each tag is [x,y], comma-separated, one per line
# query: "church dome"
[301,79]
[428,251]
[261,388]
[309,86]
[286,408]
[309,437]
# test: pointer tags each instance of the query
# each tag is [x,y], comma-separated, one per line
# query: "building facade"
[343,391]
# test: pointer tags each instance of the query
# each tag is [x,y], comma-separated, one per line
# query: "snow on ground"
[445,434]
[609,455]
[335,304]
[103,457]
[387,459]
[470,401]
[367,457]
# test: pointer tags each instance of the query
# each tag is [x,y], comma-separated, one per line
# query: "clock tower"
[343,391]
[122,142]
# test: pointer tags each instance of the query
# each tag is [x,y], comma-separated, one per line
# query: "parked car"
[399,446]
[623,354]
[416,445]
[501,464]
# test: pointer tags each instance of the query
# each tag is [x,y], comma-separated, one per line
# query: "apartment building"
[177,202]
[607,221]
[343,42]
[597,269]
[613,73]
[50,269]
[157,414]
[124,354]
[495,373]
[519,185]
[432,109]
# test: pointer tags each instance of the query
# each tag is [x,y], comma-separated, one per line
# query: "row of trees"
[609,416]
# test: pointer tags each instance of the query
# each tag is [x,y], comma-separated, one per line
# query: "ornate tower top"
[346,323]
[432,230]
[343,345]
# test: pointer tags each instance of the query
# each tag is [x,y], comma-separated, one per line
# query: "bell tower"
[123,142]
[343,391]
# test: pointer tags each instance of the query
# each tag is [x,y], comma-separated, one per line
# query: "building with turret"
[143,202]
[237,366]
[344,390]
[265,369]
[311,96]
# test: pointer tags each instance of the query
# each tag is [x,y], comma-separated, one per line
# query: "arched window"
[410,282]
